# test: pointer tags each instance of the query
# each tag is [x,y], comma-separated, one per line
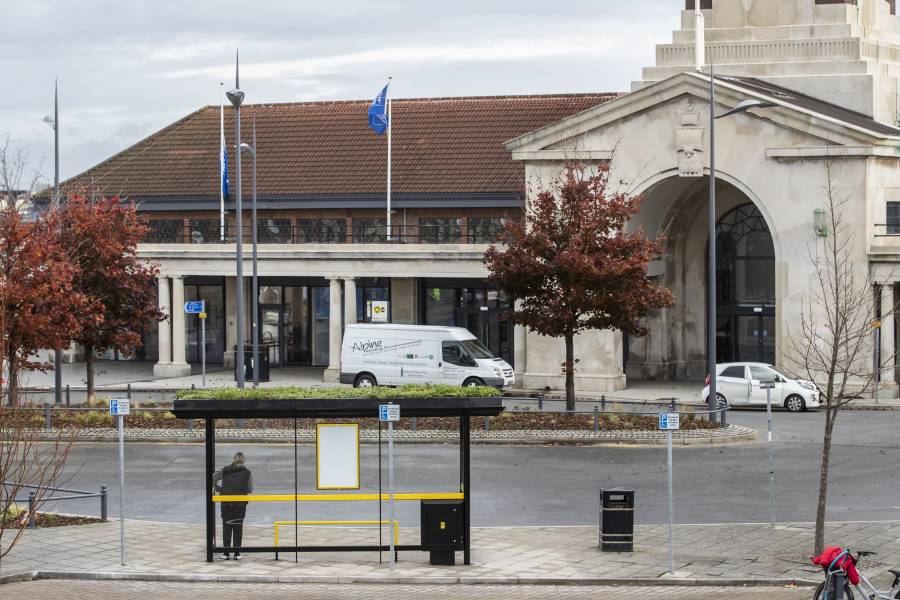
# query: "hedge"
[327,393]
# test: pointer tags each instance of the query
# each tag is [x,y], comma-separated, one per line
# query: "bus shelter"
[344,408]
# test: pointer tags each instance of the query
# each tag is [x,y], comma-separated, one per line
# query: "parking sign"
[119,407]
[388,412]
[668,421]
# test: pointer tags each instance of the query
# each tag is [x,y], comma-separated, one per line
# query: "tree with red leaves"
[569,266]
[120,291]
[38,301]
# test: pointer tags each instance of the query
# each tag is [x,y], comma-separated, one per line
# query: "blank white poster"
[337,456]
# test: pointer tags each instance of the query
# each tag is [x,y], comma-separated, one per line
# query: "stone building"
[462,165]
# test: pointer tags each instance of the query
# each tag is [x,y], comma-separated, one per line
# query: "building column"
[178,366]
[165,330]
[888,348]
[519,353]
[332,373]
[349,300]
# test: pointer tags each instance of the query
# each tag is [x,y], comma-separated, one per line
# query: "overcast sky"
[128,68]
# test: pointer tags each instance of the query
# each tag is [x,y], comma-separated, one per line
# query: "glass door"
[320,313]
[296,336]
[270,326]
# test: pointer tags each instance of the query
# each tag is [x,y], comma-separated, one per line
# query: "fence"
[72,495]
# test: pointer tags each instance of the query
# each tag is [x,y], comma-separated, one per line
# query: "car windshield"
[476,349]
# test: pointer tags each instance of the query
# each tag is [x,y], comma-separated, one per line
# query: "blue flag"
[223,167]
[378,119]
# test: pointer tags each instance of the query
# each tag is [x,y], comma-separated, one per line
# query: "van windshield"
[476,349]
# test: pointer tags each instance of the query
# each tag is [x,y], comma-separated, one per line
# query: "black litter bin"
[248,363]
[616,519]
[442,529]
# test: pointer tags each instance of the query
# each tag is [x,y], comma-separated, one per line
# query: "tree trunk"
[830,416]
[89,364]
[570,372]
[12,387]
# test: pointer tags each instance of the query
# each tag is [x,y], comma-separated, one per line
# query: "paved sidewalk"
[724,554]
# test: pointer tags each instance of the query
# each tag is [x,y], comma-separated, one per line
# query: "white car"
[739,384]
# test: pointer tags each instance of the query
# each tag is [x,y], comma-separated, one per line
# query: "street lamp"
[712,401]
[236,97]
[54,123]
[254,319]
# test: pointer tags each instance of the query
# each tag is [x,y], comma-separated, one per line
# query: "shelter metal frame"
[344,408]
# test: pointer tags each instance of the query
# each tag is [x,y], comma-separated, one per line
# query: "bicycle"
[836,572]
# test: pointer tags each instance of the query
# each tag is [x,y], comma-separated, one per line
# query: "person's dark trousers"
[233,524]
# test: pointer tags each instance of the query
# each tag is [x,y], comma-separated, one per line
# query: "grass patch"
[300,393]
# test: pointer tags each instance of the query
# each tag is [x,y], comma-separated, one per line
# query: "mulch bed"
[54,520]
[507,421]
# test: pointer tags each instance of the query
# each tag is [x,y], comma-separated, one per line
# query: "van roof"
[461,332]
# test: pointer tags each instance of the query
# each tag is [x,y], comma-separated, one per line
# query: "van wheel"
[794,403]
[472,382]
[365,381]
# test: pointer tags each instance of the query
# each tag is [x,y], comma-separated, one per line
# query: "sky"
[129,68]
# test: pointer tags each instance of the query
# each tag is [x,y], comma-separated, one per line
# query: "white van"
[401,354]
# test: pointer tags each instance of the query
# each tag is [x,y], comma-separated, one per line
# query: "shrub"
[298,393]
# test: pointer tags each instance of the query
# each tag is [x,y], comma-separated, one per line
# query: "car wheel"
[721,401]
[472,382]
[795,403]
[365,381]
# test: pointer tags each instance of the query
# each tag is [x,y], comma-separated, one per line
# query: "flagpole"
[389,127]
[221,166]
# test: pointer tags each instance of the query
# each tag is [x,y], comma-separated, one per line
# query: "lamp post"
[712,401]
[254,319]
[236,97]
[54,123]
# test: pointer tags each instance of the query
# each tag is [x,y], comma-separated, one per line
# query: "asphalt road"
[157,590]
[542,485]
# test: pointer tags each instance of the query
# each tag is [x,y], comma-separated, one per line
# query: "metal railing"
[284,231]
[72,495]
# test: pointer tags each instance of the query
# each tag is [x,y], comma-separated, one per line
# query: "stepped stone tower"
[843,51]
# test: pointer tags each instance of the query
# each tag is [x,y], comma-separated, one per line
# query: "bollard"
[31,519]
[722,419]
[241,423]
[190,424]
[103,504]
[47,417]
[414,425]
[487,424]
[603,402]
[68,396]
[128,391]
[541,401]
[596,420]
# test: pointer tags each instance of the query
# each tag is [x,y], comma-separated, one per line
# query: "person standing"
[237,480]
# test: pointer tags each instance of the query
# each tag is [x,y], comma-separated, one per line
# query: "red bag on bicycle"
[845,563]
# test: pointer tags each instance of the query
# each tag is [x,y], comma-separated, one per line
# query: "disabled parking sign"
[668,421]
[388,412]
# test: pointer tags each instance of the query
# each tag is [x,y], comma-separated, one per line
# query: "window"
[737,372]
[204,231]
[273,231]
[893,218]
[369,231]
[440,231]
[476,349]
[164,231]
[486,230]
[322,231]
[762,374]
[453,353]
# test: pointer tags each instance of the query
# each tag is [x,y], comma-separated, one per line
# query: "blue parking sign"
[195,307]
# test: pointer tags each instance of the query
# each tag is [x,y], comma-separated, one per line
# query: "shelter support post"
[465,455]
[210,505]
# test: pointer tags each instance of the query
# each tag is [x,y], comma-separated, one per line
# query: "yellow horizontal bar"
[278,524]
[336,497]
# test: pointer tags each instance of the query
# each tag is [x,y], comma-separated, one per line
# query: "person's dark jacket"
[237,480]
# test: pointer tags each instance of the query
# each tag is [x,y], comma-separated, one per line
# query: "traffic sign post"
[769,386]
[390,413]
[119,407]
[669,422]
[198,307]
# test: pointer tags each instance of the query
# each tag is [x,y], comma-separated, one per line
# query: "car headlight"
[808,385]
[498,371]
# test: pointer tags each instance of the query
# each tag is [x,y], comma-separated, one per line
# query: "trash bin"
[442,529]
[248,363]
[616,519]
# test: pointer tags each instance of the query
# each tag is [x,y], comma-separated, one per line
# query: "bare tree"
[834,344]
[18,179]
[28,463]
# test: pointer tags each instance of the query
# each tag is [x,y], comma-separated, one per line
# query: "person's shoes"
[226,557]
[238,556]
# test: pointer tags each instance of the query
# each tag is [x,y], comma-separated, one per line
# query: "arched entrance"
[745,287]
